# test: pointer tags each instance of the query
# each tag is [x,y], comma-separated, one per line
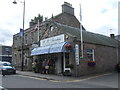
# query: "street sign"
[77,54]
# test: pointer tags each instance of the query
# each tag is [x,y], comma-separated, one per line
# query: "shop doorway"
[57,62]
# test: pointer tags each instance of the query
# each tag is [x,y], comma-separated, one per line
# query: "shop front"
[58,53]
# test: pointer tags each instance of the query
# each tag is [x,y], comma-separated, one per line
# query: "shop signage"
[77,54]
[52,40]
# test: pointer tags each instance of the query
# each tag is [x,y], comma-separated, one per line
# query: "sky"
[98,16]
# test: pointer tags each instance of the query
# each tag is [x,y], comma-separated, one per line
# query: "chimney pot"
[112,35]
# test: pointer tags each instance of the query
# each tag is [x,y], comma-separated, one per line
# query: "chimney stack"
[32,23]
[67,8]
[112,35]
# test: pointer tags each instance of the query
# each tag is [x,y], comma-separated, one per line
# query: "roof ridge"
[66,25]
[79,29]
[89,37]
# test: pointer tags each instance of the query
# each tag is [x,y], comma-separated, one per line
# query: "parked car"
[7,68]
[117,67]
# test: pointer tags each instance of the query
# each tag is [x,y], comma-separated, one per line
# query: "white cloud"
[5,37]
[96,21]
[98,15]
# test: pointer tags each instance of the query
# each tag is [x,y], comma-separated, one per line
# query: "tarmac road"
[109,80]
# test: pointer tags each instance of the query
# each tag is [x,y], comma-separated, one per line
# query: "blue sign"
[21,32]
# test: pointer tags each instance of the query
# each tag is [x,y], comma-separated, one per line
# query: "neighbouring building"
[117,37]
[59,40]
[5,53]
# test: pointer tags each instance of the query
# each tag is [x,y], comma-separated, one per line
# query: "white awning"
[54,48]
[40,50]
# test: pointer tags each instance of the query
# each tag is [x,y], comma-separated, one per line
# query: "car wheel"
[14,72]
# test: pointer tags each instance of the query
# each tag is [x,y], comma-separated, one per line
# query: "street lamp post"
[22,51]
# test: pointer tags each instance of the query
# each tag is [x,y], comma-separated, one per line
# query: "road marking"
[89,78]
[31,77]
[55,81]
[67,81]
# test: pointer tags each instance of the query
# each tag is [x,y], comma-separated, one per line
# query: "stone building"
[5,53]
[59,40]
[100,50]
[32,37]
[117,37]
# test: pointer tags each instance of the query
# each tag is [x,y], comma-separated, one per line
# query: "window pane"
[90,54]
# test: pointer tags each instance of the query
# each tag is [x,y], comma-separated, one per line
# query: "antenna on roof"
[110,31]
[112,34]
[52,16]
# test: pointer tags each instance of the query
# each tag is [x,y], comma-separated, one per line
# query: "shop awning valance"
[40,50]
[54,48]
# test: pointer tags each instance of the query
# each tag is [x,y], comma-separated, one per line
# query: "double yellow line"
[66,81]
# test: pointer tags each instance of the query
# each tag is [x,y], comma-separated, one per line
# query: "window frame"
[91,53]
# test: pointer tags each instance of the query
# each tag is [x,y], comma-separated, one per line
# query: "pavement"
[46,76]
[60,77]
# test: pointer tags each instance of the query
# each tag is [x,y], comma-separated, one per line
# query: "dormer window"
[51,28]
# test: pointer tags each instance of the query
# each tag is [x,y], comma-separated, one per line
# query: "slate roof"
[88,37]
[117,37]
